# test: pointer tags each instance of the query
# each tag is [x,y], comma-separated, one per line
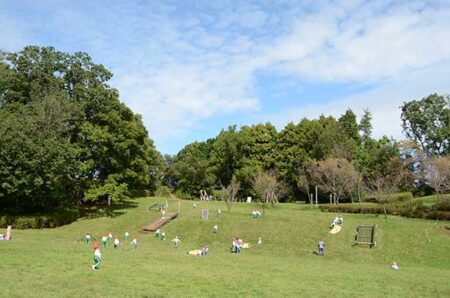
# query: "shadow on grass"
[115,210]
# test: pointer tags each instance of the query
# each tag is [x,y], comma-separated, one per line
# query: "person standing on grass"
[163,235]
[116,243]
[126,236]
[134,243]
[215,228]
[157,233]
[88,238]
[321,247]
[109,237]
[97,257]
[104,240]
[176,241]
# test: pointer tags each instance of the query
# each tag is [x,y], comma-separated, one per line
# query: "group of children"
[107,238]
[256,213]
[338,220]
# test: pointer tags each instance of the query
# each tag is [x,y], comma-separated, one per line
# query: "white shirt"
[116,241]
[97,253]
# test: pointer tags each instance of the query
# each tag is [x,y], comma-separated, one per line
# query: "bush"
[140,193]
[50,220]
[163,191]
[392,198]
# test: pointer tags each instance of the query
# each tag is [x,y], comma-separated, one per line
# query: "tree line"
[67,139]
[338,156]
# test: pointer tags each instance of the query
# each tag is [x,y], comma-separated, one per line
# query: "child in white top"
[163,235]
[116,243]
[215,228]
[259,242]
[110,237]
[134,243]
[394,266]
[157,233]
[104,240]
[97,257]
[126,236]
[176,241]
[87,238]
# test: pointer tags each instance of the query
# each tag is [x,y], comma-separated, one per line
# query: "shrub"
[50,220]
[140,193]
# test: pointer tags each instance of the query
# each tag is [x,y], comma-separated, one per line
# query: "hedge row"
[52,220]
[414,209]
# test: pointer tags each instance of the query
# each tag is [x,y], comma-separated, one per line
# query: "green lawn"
[54,262]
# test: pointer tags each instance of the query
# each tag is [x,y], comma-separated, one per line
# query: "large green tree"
[107,143]
[427,121]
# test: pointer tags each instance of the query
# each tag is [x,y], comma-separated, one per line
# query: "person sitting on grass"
[97,257]
[116,243]
[126,236]
[88,238]
[259,242]
[215,228]
[104,240]
[163,235]
[134,243]
[176,241]
[394,266]
[157,233]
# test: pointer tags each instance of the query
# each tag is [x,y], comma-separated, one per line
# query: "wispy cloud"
[180,64]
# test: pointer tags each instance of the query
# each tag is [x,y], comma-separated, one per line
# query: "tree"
[104,139]
[349,126]
[427,121]
[336,176]
[365,126]
[228,194]
[268,188]
[437,174]
[386,181]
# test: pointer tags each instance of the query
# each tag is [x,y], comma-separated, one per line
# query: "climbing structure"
[366,235]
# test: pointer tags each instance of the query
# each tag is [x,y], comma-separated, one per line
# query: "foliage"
[427,121]
[334,176]
[66,132]
[268,188]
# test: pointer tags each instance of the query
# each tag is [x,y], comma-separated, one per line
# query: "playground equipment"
[336,229]
[366,235]
[156,207]
[158,223]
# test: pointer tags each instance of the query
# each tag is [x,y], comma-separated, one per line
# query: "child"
[116,243]
[215,228]
[194,205]
[204,251]
[157,233]
[104,239]
[219,213]
[109,237]
[394,266]
[163,214]
[126,236]
[176,241]
[321,247]
[163,235]
[253,214]
[88,238]
[97,257]
[134,243]
[259,242]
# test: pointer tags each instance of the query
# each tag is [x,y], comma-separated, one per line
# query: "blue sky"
[192,68]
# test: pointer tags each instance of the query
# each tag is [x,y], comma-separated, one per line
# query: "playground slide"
[336,229]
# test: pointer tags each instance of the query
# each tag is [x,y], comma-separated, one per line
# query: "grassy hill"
[55,262]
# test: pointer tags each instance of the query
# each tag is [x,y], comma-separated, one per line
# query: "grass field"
[56,263]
